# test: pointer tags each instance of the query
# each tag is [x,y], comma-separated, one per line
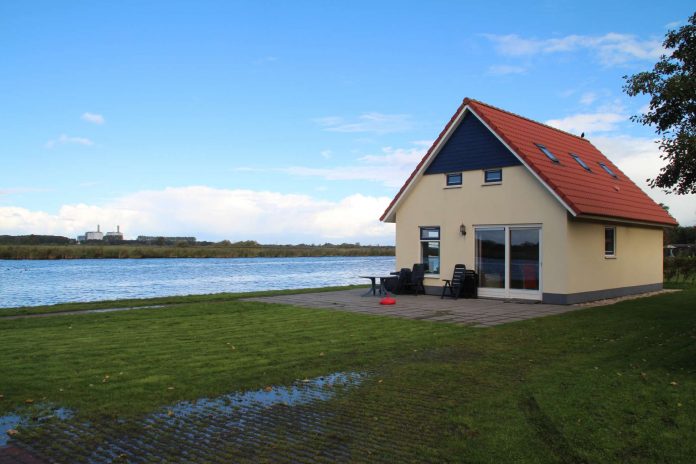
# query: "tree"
[672,110]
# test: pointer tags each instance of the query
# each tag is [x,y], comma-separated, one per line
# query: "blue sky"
[290,122]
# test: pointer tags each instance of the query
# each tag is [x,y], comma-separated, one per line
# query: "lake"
[32,283]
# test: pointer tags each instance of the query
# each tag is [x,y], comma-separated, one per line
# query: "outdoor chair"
[397,284]
[454,285]
[415,283]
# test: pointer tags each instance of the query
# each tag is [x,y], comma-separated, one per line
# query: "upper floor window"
[609,171]
[454,178]
[493,176]
[547,152]
[581,162]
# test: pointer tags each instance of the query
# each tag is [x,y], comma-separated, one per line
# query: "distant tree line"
[36,240]
[55,247]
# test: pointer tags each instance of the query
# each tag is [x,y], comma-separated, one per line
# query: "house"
[540,213]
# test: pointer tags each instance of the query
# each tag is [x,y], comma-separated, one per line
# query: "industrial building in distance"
[117,236]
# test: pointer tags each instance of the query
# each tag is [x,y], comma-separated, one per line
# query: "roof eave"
[597,217]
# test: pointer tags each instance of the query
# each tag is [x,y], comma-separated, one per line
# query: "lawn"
[605,384]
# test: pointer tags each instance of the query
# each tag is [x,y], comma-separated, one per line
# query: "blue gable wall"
[471,147]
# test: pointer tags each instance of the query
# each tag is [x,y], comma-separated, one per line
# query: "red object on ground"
[387,300]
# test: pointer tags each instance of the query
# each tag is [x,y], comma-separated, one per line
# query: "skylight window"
[581,163]
[609,171]
[547,152]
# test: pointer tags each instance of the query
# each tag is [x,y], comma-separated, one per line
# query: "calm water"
[30,283]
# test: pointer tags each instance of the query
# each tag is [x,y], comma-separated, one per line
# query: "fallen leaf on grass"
[321,354]
[2,397]
[673,383]
[170,388]
[12,432]
[268,389]
[29,401]
[170,413]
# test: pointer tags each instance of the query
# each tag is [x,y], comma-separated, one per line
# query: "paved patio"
[476,312]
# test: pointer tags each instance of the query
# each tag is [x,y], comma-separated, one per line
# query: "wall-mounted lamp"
[462,229]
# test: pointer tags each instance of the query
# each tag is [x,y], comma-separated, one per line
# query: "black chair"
[415,283]
[470,284]
[397,284]
[455,284]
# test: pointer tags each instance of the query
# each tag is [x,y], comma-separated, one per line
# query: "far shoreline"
[114,251]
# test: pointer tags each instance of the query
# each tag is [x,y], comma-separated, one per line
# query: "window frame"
[486,172]
[581,162]
[454,174]
[608,170]
[425,240]
[548,153]
[610,254]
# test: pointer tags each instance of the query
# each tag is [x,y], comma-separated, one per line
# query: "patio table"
[374,289]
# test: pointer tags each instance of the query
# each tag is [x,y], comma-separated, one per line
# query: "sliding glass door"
[508,260]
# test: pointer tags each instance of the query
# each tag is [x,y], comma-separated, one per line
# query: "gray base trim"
[583,297]
[433,290]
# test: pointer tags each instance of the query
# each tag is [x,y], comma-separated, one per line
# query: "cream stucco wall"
[520,199]
[638,258]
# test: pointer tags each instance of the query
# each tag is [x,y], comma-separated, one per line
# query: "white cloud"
[377,123]
[215,214]
[611,48]
[602,121]
[63,139]
[639,159]
[326,154]
[588,98]
[93,118]
[505,69]
[391,168]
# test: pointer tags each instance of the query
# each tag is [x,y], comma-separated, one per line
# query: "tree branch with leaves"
[672,110]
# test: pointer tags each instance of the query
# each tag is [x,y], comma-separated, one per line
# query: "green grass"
[604,384]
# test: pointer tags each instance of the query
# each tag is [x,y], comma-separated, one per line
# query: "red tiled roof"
[585,193]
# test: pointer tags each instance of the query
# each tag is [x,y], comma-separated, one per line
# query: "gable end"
[470,147]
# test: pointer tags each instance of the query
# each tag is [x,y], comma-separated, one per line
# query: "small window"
[581,163]
[609,242]
[454,179]
[493,175]
[609,171]
[430,249]
[547,152]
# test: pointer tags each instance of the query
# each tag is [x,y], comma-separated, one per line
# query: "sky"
[292,122]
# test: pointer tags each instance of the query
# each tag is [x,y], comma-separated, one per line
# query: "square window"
[454,179]
[493,175]
[609,242]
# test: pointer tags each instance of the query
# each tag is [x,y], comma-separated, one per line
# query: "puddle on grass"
[301,392]
[35,416]
[240,417]
[189,431]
